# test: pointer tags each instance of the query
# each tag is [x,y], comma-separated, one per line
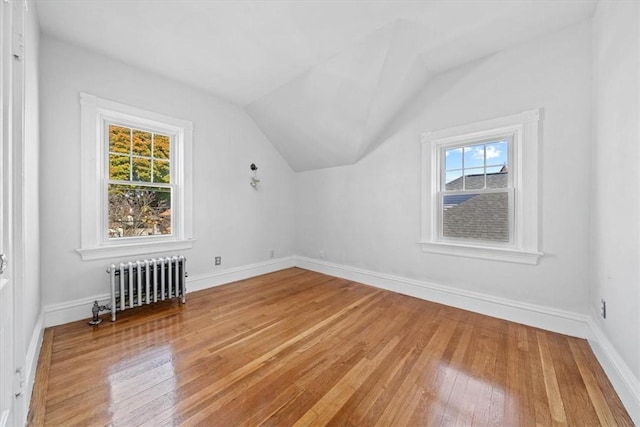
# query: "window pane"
[139,211]
[161,146]
[119,139]
[474,179]
[474,156]
[141,169]
[161,172]
[498,153]
[141,143]
[453,159]
[453,180]
[476,216]
[119,167]
[498,179]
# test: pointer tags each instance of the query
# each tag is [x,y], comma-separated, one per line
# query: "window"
[139,182]
[481,189]
[136,186]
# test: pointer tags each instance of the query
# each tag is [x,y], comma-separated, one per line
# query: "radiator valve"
[95,311]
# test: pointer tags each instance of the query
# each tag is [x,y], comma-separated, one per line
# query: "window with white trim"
[136,180]
[140,182]
[480,196]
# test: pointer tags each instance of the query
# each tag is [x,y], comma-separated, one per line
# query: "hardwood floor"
[301,348]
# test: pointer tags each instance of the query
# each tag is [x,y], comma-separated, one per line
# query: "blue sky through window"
[470,159]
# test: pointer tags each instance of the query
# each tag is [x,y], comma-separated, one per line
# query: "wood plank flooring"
[297,348]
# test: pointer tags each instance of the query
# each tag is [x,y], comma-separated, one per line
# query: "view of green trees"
[138,157]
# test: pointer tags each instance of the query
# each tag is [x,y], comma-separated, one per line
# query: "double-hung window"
[140,183]
[136,181]
[475,191]
[480,192]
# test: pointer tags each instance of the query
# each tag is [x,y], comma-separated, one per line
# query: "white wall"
[367,215]
[616,186]
[231,219]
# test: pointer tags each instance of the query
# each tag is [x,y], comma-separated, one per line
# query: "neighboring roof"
[481,216]
[494,180]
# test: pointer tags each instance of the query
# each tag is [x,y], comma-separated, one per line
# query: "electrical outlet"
[272,253]
[218,260]
[603,308]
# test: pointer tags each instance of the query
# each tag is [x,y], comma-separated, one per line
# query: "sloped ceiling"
[322,79]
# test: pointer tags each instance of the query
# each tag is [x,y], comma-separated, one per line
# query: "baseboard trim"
[565,322]
[623,380]
[31,362]
[561,321]
[222,277]
[71,311]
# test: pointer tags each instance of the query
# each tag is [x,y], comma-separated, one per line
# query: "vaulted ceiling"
[322,79]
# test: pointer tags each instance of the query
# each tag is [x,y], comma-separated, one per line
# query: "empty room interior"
[320,212]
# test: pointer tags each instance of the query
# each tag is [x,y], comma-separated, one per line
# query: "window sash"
[441,192]
[443,147]
[439,214]
[173,185]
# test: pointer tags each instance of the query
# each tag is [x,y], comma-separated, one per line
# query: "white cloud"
[492,152]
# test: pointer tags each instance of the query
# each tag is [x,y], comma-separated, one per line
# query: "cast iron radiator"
[136,283]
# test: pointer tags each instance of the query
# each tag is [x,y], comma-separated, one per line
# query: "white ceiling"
[321,78]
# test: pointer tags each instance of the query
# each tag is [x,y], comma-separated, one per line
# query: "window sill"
[118,251]
[482,252]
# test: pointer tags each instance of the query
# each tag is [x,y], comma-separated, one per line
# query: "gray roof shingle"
[480,216]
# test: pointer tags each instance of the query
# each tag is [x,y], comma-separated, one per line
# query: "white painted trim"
[482,252]
[524,171]
[551,319]
[622,378]
[71,311]
[93,113]
[4,418]
[222,277]
[146,248]
[33,353]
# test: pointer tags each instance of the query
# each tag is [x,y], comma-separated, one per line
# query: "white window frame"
[523,245]
[96,114]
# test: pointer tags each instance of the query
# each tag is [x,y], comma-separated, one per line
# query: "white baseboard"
[551,319]
[565,322]
[70,311]
[33,352]
[222,277]
[623,380]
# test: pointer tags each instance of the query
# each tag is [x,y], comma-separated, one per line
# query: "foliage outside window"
[139,186]
[480,196]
